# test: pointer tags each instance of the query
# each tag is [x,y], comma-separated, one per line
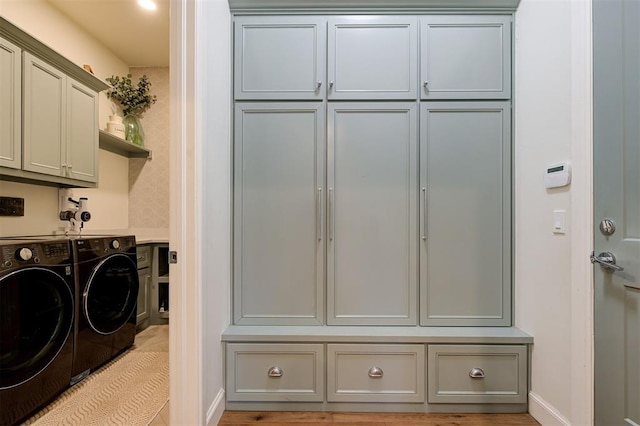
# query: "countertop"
[143,235]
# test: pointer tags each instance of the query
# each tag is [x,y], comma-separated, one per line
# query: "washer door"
[36,316]
[110,296]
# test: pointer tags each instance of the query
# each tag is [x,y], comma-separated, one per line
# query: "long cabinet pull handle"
[319,214]
[424,213]
[330,214]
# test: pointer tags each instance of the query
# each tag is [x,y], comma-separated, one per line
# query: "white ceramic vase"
[115,126]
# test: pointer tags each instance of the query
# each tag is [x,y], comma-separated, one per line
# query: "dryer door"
[110,296]
[36,316]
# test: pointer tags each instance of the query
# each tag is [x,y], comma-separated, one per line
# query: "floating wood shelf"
[122,147]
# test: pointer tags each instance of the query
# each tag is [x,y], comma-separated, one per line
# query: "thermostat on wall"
[557,175]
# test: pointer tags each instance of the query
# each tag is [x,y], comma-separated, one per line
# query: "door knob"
[606,259]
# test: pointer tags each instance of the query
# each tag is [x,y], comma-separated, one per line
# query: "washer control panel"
[23,253]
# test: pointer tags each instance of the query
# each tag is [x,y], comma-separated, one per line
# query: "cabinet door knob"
[425,83]
[375,372]
[476,373]
[330,84]
[318,85]
[275,372]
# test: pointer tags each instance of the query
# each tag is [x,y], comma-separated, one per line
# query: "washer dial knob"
[115,244]
[24,254]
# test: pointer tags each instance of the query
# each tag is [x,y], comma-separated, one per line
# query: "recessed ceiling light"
[147,4]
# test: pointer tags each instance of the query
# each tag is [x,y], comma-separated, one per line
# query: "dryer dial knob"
[115,244]
[24,254]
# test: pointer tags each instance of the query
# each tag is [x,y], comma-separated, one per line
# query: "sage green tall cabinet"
[279,235]
[372,174]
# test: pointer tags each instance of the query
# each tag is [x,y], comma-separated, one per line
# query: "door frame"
[581,219]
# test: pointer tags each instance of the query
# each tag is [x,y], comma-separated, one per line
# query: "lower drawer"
[375,373]
[477,374]
[275,372]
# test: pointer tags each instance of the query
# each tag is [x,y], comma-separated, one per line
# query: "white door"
[617,211]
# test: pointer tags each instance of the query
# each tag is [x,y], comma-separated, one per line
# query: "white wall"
[551,125]
[216,150]
[41,20]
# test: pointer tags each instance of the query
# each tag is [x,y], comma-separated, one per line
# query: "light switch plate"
[559,217]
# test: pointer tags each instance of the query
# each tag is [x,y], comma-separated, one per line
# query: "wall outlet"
[11,206]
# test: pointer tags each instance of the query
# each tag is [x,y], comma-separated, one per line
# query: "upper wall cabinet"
[10,104]
[372,57]
[465,57]
[279,57]
[60,123]
[48,114]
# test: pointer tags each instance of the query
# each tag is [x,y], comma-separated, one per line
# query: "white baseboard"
[544,412]
[216,409]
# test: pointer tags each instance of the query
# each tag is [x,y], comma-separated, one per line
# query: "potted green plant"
[134,100]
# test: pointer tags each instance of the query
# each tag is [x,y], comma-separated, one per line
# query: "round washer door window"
[111,293]
[36,316]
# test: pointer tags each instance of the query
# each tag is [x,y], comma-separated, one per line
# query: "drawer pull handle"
[476,373]
[375,372]
[275,372]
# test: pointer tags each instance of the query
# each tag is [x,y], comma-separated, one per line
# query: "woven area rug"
[129,390]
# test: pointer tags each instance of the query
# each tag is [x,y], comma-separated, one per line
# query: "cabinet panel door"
[279,186]
[372,246]
[372,57]
[82,132]
[10,105]
[465,258]
[144,277]
[465,57]
[44,117]
[279,57]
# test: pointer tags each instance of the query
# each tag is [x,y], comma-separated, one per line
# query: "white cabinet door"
[10,105]
[82,132]
[278,203]
[44,118]
[279,57]
[372,57]
[465,57]
[465,182]
[372,235]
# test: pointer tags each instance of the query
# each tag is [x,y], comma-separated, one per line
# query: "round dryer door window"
[111,293]
[36,316]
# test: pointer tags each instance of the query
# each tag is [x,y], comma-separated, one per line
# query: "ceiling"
[139,37]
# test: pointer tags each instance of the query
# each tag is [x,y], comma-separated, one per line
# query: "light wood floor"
[274,418]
